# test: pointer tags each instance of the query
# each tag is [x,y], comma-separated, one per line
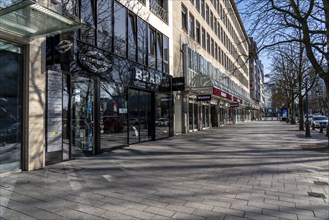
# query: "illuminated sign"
[203,97]
[148,77]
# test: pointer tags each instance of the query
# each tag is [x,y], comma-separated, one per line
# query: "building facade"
[256,74]
[101,81]
[211,53]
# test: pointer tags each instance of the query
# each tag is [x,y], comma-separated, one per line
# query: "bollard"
[321,129]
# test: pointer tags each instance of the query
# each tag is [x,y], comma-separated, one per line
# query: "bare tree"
[275,22]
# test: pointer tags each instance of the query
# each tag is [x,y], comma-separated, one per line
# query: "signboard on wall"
[54,113]
[178,84]
[203,97]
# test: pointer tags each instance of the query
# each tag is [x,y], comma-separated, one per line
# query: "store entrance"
[140,116]
[82,118]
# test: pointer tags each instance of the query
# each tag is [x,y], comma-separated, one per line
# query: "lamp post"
[307,123]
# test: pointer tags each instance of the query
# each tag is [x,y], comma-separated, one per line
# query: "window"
[191,28]
[141,41]
[212,47]
[165,54]
[132,37]
[151,47]
[216,52]
[215,25]
[211,20]
[184,18]
[120,17]
[105,27]
[159,51]
[208,43]
[203,38]
[197,32]
[197,5]
[192,1]
[202,8]
[88,16]
[207,14]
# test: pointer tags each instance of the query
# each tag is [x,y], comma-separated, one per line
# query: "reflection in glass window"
[203,38]
[202,8]
[151,47]
[184,18]
[191,27]
[71,7]
[120,17]
[132,37]
[113,115]
[141,41]
[198,32]
[162,103]
[88,16]
[105,27]
[159,51]
[165,54]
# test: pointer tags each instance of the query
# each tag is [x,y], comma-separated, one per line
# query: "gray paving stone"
[180,208]
[257,216]
[199,206]
[139,214]
[208,214]
[234,212]
[280,214]
[160,211]
[185,216]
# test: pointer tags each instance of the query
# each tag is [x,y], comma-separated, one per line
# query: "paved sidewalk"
[254,170]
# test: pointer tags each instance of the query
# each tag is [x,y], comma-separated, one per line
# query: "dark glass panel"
[71,7]
[104,24]
[11,73]
[159,51]
[120,28]
[145,119]
[142,41]
[165,54]
[88,16]
[113,115]
[162,104]
[151,48]
[132,37]
[133,116]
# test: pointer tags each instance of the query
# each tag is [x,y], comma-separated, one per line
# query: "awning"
[26,18]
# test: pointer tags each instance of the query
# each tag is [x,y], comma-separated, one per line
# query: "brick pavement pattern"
[254,170]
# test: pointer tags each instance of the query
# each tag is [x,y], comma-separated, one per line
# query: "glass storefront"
[113,115]
[11,79]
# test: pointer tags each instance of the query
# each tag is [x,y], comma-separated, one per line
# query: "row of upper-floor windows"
[112,27]
[223,13]
[198,33]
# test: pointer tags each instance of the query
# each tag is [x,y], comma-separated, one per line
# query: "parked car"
[319,121]
[162,122]
[113,124]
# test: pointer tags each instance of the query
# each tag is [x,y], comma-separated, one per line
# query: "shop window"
[151,47]
[165,54]
[162,115]
[132,37]
[184,18]
[104,26]
[141,41]
[120,28]
[197,32]
[159,51]
[87,32]
[191,26]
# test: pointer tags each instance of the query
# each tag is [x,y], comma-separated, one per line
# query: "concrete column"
[36,104]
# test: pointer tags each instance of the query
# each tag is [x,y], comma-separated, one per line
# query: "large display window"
[11,102]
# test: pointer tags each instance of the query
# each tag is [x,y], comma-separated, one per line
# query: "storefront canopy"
[201,81]
[26,18]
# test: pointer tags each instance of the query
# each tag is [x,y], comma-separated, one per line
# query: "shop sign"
[64,46]
[148,77]
[203,97]
[234,105]
[178,84]
[94,62]
[220,93]
[54,112]
[236,99]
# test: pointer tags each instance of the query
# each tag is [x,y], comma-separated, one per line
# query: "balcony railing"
[159,11]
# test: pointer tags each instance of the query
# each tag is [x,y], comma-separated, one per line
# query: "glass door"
[82,118]
[113,115]
[11,74]
[140,119]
